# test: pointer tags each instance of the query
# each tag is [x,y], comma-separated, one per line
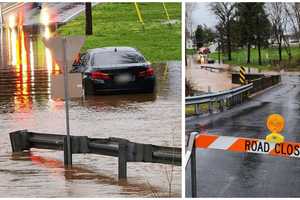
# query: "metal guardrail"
[217,96]
[125,150]
[226,98]
[229,98]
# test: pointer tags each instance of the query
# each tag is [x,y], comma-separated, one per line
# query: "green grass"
[190,51]
[191,109]
[268,55]
[116,24]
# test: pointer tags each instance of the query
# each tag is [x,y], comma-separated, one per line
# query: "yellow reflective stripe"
[166,11]
[242,81]
[242,76]
[242,70]
[138,12]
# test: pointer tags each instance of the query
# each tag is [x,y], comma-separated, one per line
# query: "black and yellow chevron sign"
[243,75]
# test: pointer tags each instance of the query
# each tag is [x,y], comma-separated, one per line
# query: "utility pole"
[88,19]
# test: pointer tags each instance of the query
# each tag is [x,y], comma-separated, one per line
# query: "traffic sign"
[64,51]
[243,75]
[72,45]
[247,145]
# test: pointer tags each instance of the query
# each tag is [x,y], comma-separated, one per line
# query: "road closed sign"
[247,145]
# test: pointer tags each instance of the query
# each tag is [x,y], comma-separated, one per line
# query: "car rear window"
[113,58]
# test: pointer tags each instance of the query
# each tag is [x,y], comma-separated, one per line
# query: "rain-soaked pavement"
[229,174]
[26,103]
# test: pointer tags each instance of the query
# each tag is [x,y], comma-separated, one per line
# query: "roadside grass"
[117,24]
[269,58]
[191,109]
[190,51]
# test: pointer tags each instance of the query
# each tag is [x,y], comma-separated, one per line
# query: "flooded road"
[229,174]
[208,79]
[26,103]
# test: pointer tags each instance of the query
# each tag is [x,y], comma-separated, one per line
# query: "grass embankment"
[269,58]
[117,24]
[190,51]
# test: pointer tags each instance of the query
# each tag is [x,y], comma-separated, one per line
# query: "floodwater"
[207,79]
[26,103]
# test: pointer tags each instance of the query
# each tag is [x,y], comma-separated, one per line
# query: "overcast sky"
[203,15]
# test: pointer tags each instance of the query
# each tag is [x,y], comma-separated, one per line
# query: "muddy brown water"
[26,103]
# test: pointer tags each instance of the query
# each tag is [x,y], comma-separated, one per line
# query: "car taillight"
[148,72]
[100,75]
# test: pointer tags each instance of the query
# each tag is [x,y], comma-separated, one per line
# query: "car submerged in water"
[116,70]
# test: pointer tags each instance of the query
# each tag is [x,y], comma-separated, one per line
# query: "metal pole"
[68,160]
[122,161]
[194,172]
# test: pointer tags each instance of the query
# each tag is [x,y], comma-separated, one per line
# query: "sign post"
[64,51]
[68,161]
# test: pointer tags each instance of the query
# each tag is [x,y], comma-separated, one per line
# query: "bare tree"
[88,19]
[277,20]
[225,12]
[293,14]
[189,9]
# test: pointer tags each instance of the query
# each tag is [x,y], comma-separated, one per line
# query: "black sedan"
[116,70]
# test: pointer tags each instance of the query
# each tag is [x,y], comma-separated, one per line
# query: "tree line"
[244,25]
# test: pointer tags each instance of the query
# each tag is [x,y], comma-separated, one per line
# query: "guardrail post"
[221,105]
[210,107]
[19,141]
[67,159]
[194,171]
[122,162]
[197,109]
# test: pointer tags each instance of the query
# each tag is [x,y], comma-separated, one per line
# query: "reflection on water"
[25,103]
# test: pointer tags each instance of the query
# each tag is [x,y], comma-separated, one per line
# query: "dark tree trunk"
[229,49]
[228,42]
[280,51]
[249,53]
[259,52]
[88,19]
[219,52]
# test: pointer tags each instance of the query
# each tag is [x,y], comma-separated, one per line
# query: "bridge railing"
[219,100]
[125,150]
[264,82]
[207,103]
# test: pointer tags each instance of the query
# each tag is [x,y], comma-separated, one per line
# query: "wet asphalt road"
[229,174]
